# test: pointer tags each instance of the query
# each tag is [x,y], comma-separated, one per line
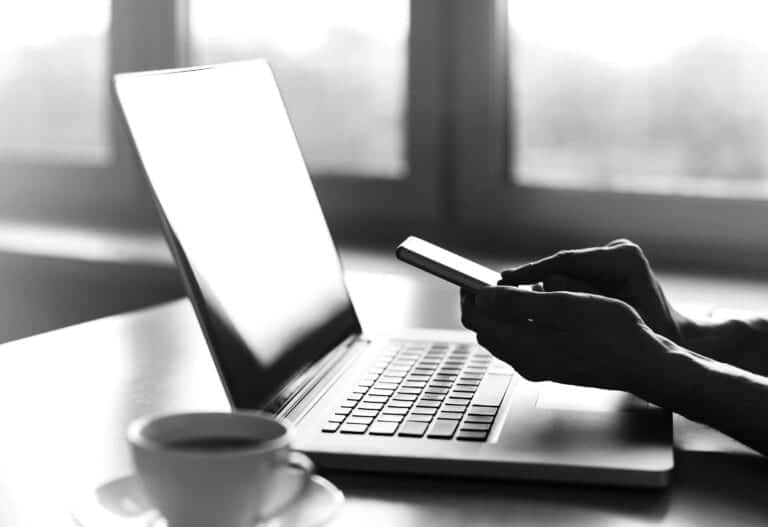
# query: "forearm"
[720,395]
[742,343]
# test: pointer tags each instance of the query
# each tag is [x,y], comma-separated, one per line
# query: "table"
[66,397]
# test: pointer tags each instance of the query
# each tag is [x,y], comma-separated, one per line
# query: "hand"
[618,270]
[573,338]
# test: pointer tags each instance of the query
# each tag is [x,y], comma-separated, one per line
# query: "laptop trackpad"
[556,396]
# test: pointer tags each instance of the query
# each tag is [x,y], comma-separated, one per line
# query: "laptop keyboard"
[421,389]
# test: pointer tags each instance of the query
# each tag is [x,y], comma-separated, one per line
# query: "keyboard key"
[386,386]
[482,427]
[353,428]
[342,410]
[390,418]
[331,427]
[379,391]
[365,413]
[450,415]
[459,396]
[479,419]
[472,375]
[429,402]
[420,417]
[418,377]
[413,429]
[347,404]
[375,399]
[424,410]
[471,435]
[491,390]
[383,428]
[482,410]
[440,384]
[370,406]
[366,384]
[336,418]
[405,396]
[355,396]
[400,404]
[465,388]
[410,390]
[430,389]
[414,384]
[467,382]
[395,411]
[432,397]
[359,420]
[446,378]
[443,429]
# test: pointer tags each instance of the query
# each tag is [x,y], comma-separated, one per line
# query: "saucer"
[122,503]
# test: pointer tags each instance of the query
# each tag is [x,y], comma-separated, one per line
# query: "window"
[64,156]
[53,81]
[620,119]
[359,82]
[653,96]
[341,66]
[528,123]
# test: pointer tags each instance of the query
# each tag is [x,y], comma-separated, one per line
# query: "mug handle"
[301,462]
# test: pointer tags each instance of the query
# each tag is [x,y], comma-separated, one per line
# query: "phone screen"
[445,264]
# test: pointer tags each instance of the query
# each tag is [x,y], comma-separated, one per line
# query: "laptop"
[241,216]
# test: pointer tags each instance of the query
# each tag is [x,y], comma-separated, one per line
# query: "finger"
[582,264]
[527,347]
[565,283]
[513,304]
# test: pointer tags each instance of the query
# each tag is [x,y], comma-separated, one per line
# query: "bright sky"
[297,25]
[636,33]
[628,33]
[42,22]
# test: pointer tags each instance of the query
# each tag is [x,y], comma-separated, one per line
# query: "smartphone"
[445,264]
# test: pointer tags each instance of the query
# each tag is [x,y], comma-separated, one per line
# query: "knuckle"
[620,241]
[631,254]
[621,312]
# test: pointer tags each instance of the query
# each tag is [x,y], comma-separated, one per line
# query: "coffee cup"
[218,468]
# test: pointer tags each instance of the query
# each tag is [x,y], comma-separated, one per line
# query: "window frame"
[674,229]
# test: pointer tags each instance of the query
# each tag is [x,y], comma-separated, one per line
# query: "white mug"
[217,468]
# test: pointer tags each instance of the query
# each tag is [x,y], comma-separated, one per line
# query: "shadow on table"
[706,489]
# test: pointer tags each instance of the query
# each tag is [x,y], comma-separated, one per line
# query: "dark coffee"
[215,443]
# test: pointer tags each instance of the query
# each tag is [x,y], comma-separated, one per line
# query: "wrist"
[650,363]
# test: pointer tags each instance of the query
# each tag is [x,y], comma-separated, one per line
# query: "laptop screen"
[242,218]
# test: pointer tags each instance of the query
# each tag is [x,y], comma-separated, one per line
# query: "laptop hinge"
[292,400]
